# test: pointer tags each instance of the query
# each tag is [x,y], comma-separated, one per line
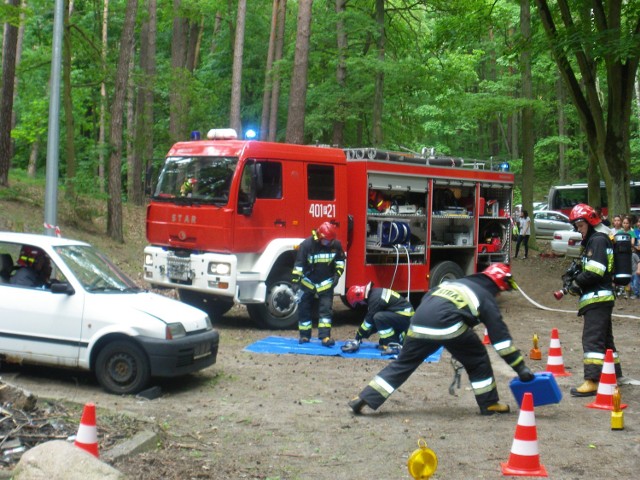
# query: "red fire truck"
[227,215]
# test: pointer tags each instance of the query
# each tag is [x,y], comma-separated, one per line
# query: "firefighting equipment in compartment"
[622,253]
[378,202]
[394,233]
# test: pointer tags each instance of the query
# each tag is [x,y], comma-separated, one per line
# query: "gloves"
[575,290]
[336,279]
[295,287]
[298,295]
[524,373]
[351,346]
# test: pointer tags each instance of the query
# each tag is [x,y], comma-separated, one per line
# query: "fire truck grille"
[178,268]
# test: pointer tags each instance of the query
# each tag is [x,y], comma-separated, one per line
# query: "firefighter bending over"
[446,317]
[319,264]
[593,286]
[388,314]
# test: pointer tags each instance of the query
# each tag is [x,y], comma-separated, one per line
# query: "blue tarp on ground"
[279,345]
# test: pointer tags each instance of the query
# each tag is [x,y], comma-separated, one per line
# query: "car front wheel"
[122,368]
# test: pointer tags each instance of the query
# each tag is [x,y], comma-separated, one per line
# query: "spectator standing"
[525,232]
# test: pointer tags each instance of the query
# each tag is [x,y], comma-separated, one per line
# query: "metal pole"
[53,140]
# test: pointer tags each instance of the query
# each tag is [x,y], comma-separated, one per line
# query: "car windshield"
[196,179]
[94,271]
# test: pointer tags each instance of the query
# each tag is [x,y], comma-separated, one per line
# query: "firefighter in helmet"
[35,268]
[388,314]
[446,317]
[594,287]
[319,264]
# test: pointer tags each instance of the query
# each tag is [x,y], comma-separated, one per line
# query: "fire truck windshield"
[196,179]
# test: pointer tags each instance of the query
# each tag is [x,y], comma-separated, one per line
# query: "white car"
[566,242]
[91,316]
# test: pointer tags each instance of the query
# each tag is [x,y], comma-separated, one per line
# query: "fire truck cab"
[227,215]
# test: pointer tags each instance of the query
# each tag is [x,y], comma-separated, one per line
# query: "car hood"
[136,306]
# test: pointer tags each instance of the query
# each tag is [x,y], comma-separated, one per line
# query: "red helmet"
[500,273]
[584,212]
[357,294]
[327,231]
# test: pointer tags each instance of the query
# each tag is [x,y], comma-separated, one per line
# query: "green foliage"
[451,79]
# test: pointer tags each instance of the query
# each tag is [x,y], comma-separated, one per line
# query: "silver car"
[547,221]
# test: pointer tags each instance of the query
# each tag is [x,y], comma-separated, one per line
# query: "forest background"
[549,86]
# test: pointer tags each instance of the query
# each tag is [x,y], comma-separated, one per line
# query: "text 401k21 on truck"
[227,215]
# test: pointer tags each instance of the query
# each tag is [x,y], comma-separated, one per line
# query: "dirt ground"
[257,416]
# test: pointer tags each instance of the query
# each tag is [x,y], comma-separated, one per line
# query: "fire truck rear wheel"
[216,307]
[279,311]
[444,272]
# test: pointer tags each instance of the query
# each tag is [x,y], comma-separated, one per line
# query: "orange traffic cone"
[555,363]
[524,459]
[87,437]
[608,383]
[485,340]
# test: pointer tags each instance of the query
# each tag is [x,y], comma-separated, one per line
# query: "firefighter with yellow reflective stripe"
[320,262]
[446,317]
[388,314]
[594,287]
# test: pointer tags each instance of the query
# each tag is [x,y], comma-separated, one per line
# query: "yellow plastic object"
[423,462]
[535,353]
[617,416]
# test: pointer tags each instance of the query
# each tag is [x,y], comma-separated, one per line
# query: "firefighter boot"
[357,404]
[328,342]
[588,389]
[495,408]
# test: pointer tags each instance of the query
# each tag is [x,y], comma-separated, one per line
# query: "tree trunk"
[298,91]
[131,127]
[378,95]
[606,126]
[562,134]
[143,144]
[275,85]
[67,101]
[235,121]
[102,133]
[178,108]
[528,140]
[341,75]
[268,75]
[114,204]
[9,49]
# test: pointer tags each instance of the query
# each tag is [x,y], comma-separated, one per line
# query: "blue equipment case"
[543,387]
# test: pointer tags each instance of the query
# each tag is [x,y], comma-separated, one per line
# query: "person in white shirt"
[525,232]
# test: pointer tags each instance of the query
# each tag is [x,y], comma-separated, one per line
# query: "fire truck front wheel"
[280,310]
[216,307]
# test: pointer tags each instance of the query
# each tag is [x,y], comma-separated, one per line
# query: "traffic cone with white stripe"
[555,363]
[87,436]
[485,340]
[524,459]
[608,383]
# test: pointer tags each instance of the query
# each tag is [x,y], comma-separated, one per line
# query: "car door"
[40,326]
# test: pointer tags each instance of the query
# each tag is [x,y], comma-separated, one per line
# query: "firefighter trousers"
[325,313]
[467,348]
[597,337]
[391,326]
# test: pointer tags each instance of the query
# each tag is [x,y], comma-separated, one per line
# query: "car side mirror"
[62,287]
